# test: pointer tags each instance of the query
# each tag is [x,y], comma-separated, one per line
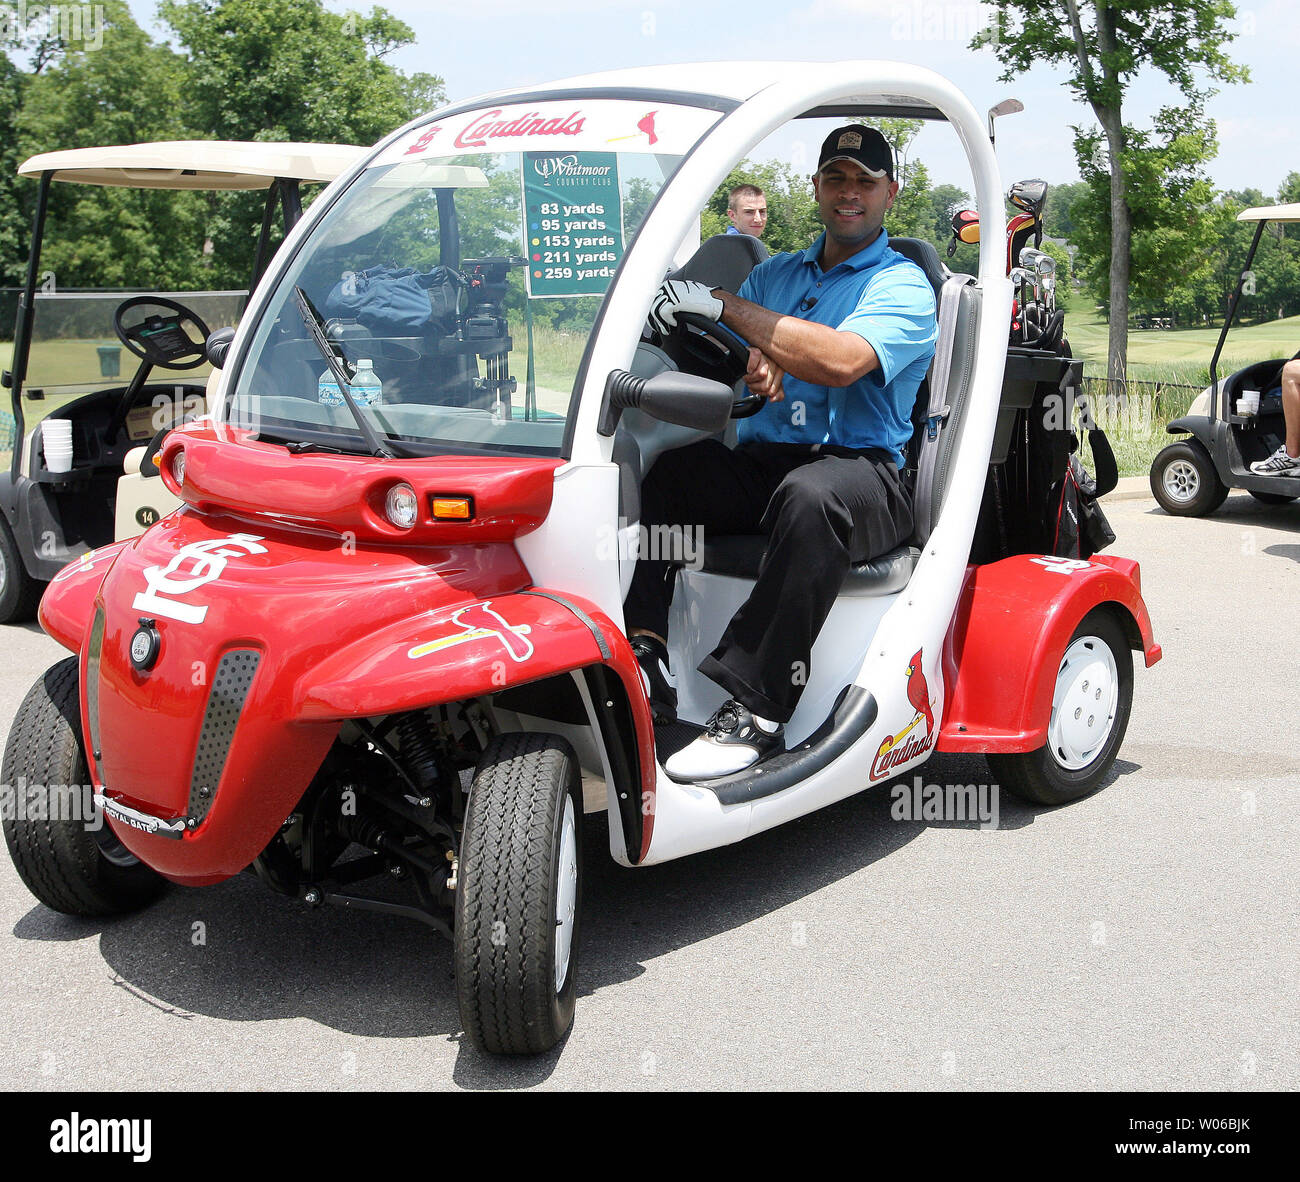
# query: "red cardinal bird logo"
[918,692]
[647,125]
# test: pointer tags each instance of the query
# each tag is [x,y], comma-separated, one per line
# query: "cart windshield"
[466,264]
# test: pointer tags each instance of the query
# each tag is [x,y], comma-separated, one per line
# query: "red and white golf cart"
[384,635]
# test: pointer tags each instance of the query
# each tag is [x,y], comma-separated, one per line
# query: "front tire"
[1185,482]
[19,592]
[73,864]
[1091,703]
[518,899]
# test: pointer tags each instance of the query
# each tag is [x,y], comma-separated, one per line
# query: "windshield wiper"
[296,447]
[338,367]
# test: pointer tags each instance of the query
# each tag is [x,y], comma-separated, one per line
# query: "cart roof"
[1271,213]
[735,82]
[195,164]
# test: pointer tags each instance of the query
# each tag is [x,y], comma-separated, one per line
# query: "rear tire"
[1185,482]
[519,893]
[68,865]
[19,592]
[1096,672]
[1271,498]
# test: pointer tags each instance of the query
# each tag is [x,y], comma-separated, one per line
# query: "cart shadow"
[1243,509]
[240,953]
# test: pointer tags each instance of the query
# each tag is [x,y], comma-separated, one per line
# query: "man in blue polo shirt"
[841,336]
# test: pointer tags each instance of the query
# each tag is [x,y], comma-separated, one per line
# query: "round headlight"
[178,467]
[402,506]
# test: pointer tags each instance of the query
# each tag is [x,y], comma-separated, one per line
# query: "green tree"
[1169,203]
[293,70]
[912,214]
[792,222]
[127,90]
[1058,215]
[1104,46]
[945,200]
[14,217]
[288,70]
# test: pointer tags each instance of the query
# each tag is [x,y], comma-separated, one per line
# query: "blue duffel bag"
[398,301]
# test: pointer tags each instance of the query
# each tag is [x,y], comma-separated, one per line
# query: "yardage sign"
[573,222]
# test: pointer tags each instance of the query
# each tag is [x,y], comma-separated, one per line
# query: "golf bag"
[1039,498]
[1081,526]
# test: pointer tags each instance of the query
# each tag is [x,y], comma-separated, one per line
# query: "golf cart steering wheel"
[723,348]
[162,339]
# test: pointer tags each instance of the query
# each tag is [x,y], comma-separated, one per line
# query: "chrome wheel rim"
[1084,703]
[566,893]
[1181,481]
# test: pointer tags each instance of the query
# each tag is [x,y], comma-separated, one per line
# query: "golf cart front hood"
[203,634]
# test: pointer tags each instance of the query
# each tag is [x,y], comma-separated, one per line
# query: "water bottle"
[327,390]
[367,389]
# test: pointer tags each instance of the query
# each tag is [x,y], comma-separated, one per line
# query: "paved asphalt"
[1144,938]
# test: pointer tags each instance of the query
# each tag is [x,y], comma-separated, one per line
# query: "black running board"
[1282,486]
[854,715]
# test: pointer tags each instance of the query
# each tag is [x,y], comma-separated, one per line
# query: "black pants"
[822,511]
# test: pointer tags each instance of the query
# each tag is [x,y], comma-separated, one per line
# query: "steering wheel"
[161,339]
[723,348]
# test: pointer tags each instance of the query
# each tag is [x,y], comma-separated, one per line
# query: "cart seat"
[739,555]
[725,261]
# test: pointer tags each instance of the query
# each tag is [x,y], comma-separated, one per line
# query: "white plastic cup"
[1251,399]
[56,443]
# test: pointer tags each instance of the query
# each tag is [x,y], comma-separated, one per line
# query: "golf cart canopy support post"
[1227,322]
[23,335]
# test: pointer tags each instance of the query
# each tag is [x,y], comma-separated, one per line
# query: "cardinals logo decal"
[645,126]
[477,622]
[905,746]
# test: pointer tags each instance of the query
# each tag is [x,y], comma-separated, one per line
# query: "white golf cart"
[410,590]
[70,346]
[1232,423]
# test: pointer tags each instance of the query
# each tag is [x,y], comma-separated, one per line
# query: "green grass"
[556,356]
[1182,353]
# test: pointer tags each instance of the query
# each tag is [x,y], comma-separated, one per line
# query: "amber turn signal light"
[452,508]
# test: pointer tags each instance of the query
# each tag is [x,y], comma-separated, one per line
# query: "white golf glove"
[681,295]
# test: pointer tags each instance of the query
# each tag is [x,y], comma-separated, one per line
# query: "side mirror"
[670,397]
[218,345]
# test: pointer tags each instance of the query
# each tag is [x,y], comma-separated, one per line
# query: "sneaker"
[735,739]
[660,685]
[1278,464]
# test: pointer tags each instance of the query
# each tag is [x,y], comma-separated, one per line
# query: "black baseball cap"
[865,146]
